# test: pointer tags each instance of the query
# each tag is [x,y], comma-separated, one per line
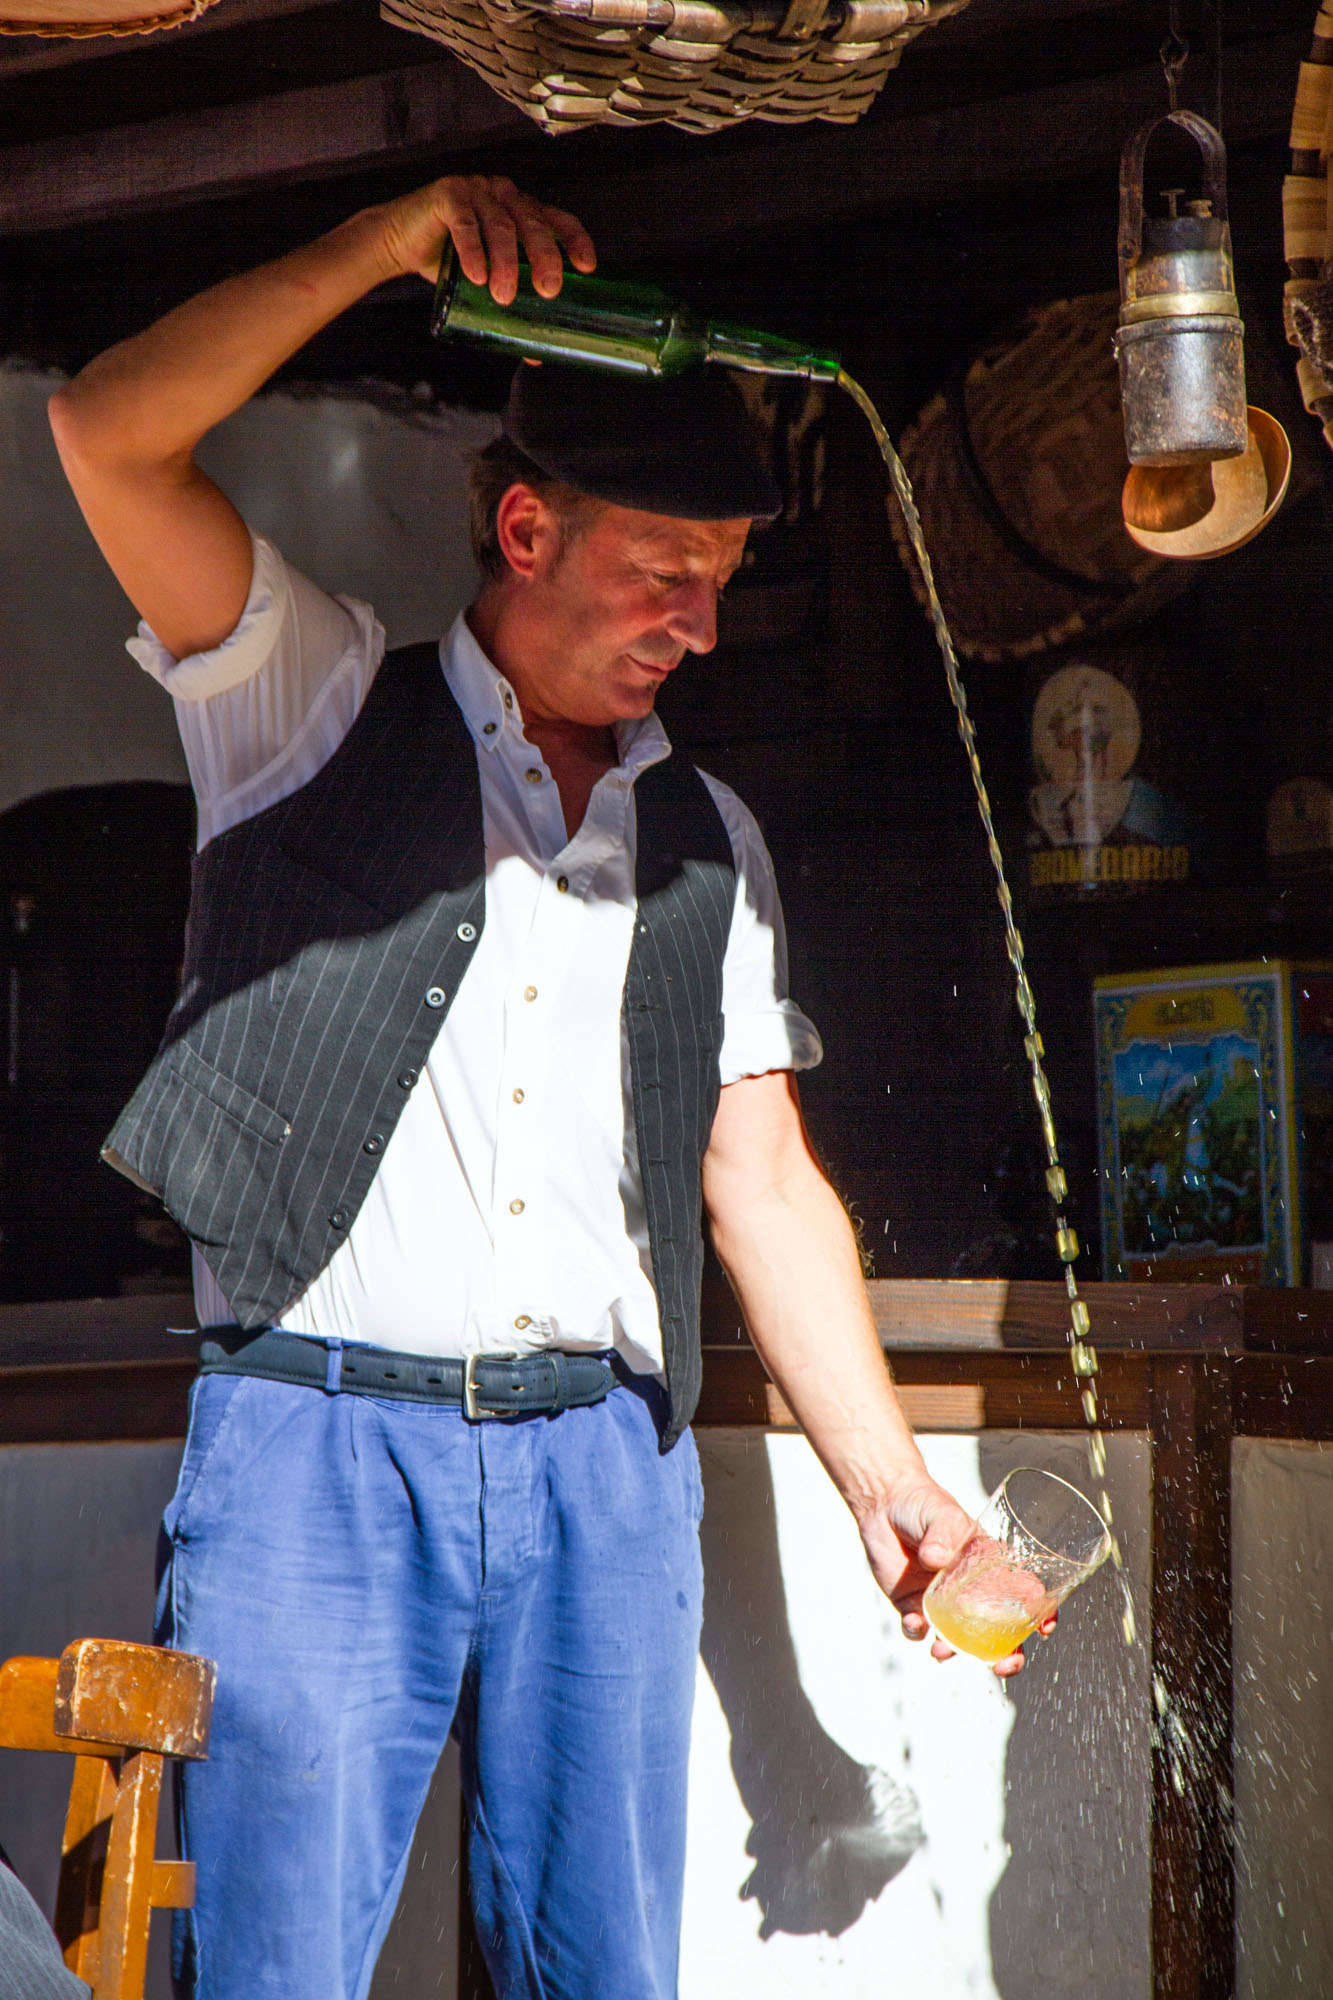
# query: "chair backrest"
[119,1710]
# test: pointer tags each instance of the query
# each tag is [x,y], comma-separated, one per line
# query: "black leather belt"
[483,1385]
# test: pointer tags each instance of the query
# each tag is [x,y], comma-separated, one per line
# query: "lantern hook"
[1174,53]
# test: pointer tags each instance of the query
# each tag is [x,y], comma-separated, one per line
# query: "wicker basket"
[1307,226]
[81,18]
[574,63]
[1018,469]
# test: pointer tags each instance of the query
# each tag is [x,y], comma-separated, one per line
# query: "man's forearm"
[792,1260]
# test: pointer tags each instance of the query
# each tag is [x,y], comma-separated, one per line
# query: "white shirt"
[507,1213]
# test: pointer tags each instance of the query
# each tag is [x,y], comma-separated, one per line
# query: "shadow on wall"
[827,1832]
[1070,1912]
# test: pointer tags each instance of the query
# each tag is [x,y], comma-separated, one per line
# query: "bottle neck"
[766,354]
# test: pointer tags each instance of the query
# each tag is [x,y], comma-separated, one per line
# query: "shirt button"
[467,932]
[338,1219]
[529,993]
[374,1144]
[436,996]
[533,776]
[407,1079]
[516,1208]
[562,883]
[524,1319]
[518,1097]
[489,728]
[509,699]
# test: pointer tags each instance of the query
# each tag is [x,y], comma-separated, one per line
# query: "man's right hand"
[127,426]
[492,224]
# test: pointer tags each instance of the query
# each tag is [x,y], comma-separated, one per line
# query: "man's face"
[608,615]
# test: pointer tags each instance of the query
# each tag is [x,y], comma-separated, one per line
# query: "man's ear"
[528,532]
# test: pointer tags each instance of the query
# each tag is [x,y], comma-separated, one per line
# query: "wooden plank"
[66,1332]
[992,1391]
[125,1909]
[929,1406]
[1285,1321]
[813,177]
[173,1885]
[998,1313]
[95,1405]
[1280,1397]
[433,108]
[1193,1886]
[27,1710]
[92,1801]
[140,1697]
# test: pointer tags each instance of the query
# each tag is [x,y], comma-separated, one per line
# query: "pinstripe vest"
[326,941]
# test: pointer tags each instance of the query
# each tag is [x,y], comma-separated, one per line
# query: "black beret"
[685,445]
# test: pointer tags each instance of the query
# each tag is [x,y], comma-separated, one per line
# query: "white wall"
[1008,1855]
[366,499]
[1282,1588]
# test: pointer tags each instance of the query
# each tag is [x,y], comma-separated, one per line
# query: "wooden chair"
[119,1710]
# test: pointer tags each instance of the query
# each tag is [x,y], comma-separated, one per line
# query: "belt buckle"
[479,1412]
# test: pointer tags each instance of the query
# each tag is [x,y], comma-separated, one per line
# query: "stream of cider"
[1083,1356]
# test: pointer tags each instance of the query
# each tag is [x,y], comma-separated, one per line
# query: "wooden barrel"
[79,18]
[1018,467]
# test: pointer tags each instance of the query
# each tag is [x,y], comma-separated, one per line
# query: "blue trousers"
[368,1574]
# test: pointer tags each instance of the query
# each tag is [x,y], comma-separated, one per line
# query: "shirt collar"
[490,706]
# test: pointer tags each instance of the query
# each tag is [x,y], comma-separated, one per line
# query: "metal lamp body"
[1180,342]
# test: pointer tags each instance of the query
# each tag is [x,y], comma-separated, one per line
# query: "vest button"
[407,1079]
[338,1219]
[467,932]
[374,1144]
[562,883]
[436,996]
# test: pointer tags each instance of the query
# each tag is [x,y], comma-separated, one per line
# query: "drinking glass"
[1035,1540]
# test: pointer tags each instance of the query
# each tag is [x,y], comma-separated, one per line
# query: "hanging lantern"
[1206,471]
[1180,341]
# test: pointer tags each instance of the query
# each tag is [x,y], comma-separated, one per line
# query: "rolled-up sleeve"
[764,1029]
[260,713]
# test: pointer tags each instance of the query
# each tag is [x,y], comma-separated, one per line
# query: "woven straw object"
[1018,469]
[1307,226]
[77,19]
[702,66]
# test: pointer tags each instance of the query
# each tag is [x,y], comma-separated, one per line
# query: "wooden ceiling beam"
[310,134]
[832,175]
[781,181]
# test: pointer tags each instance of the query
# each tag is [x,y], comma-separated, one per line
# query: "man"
[482,990]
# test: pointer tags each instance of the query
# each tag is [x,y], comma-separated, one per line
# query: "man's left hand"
[907,1538]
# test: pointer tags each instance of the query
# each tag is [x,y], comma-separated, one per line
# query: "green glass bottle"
[611,323]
